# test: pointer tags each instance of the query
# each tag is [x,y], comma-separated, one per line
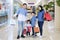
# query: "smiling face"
[39,8]
[25,6]
[28,22]
[33,14]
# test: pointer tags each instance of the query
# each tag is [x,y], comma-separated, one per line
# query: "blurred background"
[51,29]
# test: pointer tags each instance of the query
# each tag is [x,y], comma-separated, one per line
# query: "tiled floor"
[49,33]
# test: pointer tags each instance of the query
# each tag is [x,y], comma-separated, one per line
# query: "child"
[28,27]
[33,22]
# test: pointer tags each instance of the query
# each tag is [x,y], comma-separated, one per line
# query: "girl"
[28,27]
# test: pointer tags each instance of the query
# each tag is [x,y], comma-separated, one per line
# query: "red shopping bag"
[24,32]
[29,28]
[47,16]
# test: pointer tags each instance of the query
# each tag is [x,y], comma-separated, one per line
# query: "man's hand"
[14,16]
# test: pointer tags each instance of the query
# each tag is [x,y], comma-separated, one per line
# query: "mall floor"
[49,33]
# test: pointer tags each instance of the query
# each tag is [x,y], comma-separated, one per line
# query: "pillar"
[57,16]
[10,14]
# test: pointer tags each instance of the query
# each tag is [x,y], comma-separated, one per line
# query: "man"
[22,12]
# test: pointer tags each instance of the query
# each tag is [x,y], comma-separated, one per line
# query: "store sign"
[31,3]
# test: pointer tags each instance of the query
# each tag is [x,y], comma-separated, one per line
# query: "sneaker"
[32,34]
[18,37]
[35,35]
[22,36]
[40,36]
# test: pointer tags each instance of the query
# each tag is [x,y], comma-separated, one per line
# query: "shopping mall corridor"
[49,33]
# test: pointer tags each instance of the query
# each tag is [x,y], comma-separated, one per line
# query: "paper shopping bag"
[36,29]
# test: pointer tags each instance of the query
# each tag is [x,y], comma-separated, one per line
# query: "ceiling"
[30,2]
[33,2]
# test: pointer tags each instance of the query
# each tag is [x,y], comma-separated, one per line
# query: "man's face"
[25,6]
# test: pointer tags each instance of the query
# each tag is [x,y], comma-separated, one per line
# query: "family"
[22,15]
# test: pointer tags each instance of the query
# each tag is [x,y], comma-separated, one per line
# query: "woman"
[40,17]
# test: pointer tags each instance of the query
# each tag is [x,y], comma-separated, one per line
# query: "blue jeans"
[20,27]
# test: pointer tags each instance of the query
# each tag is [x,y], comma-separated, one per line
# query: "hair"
[28,21]
[24,4]
[41,7]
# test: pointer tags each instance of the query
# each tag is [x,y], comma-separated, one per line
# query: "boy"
[33,23]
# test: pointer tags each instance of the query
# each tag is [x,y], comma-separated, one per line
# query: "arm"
[26,13]
[43,14]
[18,11]
[15,15]
[37,15]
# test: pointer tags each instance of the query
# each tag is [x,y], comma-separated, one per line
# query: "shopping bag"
[36,29]
[24,31]
[47,16]
[13,21]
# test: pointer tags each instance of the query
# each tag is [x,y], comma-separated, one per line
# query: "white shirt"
[21,17]
[28,25]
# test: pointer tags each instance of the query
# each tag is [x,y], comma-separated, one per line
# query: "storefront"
[3,12]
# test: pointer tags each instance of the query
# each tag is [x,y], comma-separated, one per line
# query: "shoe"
[18,37]
[22,36]
[35,35]
[40,36]
[32,34]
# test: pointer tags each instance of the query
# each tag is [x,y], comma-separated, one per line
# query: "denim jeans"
[40,24]
[20,27]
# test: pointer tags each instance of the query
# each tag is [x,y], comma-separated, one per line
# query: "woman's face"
[39,8]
